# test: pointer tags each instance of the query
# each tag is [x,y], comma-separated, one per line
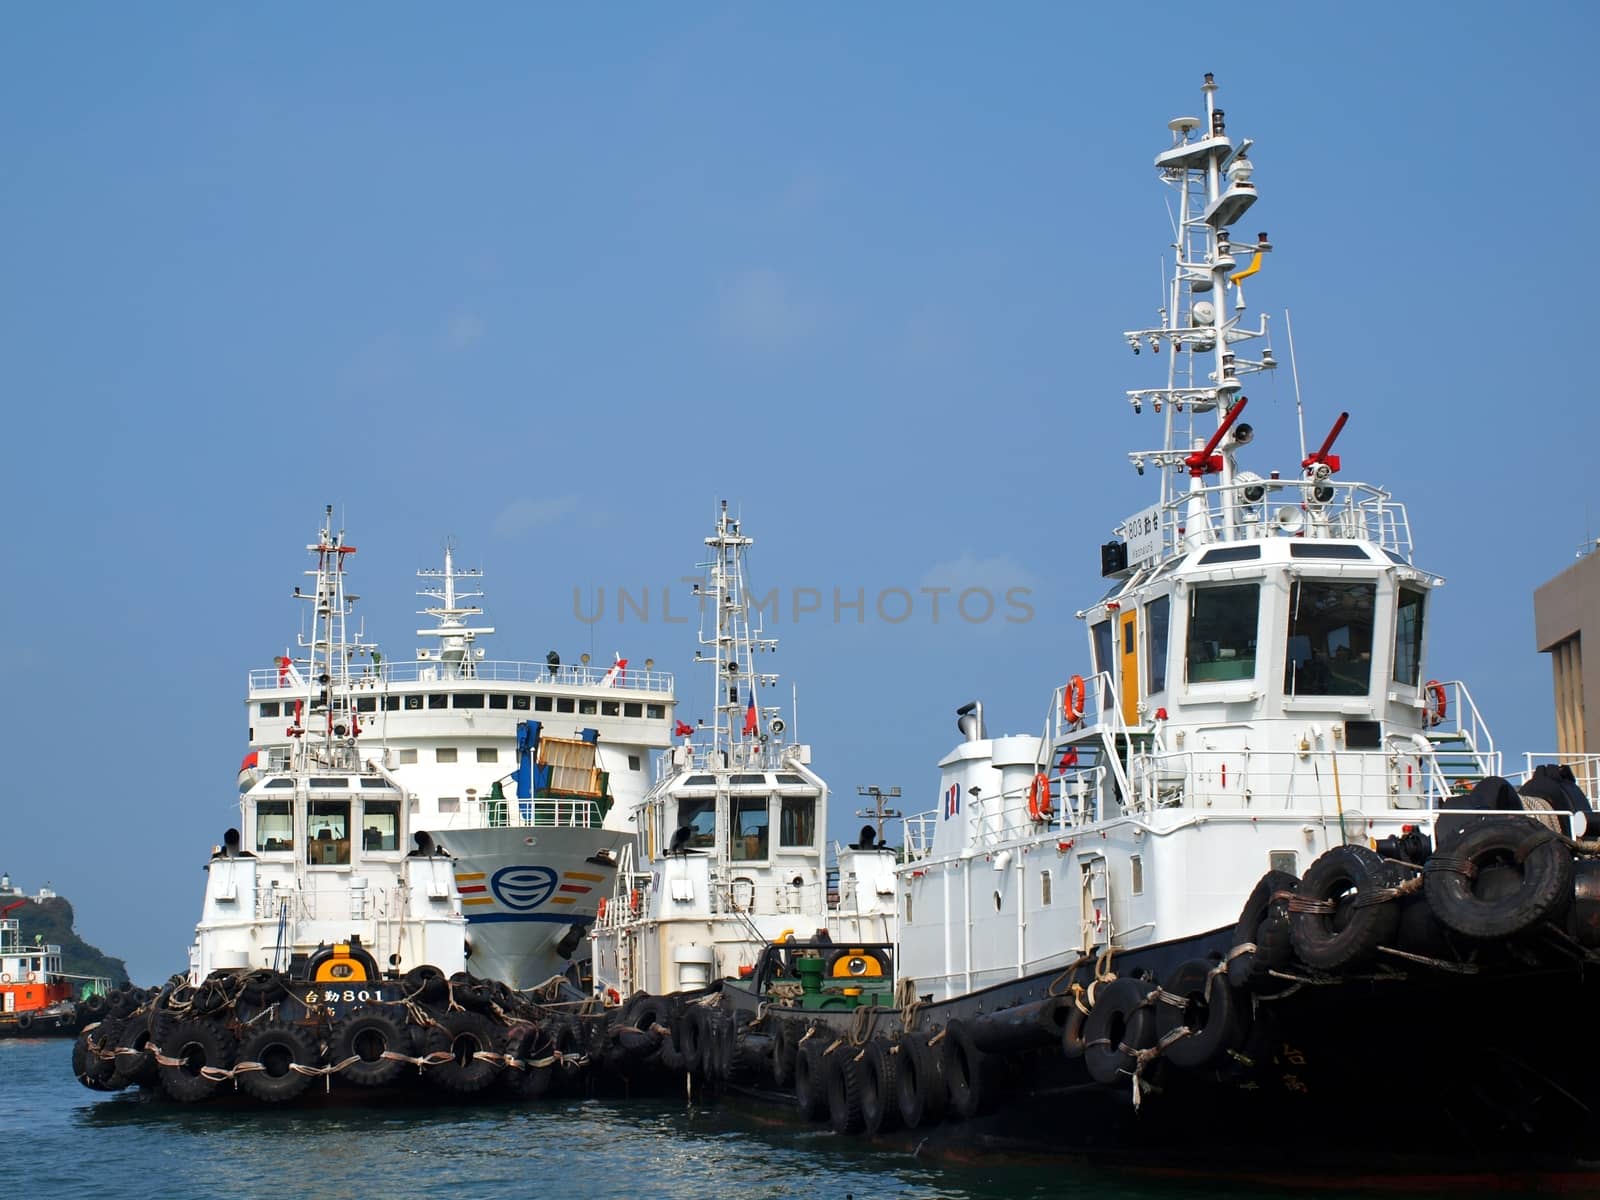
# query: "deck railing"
[426,671]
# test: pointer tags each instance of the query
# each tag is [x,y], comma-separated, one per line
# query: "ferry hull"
[523,889]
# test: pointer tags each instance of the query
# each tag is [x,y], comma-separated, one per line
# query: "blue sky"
[552,281]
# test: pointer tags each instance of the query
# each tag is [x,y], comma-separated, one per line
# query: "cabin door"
[1095,904]
[1128,660]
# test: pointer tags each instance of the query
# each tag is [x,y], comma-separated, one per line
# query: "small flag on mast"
[750,720]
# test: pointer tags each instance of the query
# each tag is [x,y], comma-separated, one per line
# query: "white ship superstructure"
[730,847]
[1257,692]
[446,727]
[323,864]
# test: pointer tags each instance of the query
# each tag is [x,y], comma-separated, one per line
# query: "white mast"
[1201,327]
[455,650]
[330,647]
[728,633]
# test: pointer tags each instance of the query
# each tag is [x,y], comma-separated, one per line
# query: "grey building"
[1566,614]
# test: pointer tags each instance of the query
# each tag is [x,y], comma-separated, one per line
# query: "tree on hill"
[51,921]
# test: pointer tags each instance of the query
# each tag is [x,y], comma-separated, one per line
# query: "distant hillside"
[51,921]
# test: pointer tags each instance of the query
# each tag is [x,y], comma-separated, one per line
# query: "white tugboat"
[1257,728]
[730,848]
[332,941]
[524,772]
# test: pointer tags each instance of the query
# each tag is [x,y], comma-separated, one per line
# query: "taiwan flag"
[750,714]
[952,801]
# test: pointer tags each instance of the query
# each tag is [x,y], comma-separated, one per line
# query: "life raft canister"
[1072,700]
[1039,797]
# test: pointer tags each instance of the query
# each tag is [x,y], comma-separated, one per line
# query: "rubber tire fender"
[1073,1032]
[640,1013]
[472,992]
[424,985]
[1546,885]
[688,1039]
[94,1072]
[527,1082]
[367,1034]
[200,1042]
[1329,941]
[880,1106]
[785,1038]
[262,986]
[278,1046]
[135,1062]
[1244,968]
[1211,1011]
[968,1071]
[1120,1018]
[919,1089]
[566,1040]
[842,1076]
[463,1034]
[810,1081]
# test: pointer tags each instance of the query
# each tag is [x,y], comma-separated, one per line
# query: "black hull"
[1422,1069]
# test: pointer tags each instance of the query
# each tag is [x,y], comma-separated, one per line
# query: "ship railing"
[743,897]
[542,812]
[629,902]
[1585,769]
[335,902]
[1289,508]
[376,678]
[738,756]
[1462,738]
[920,829]
[1102,715]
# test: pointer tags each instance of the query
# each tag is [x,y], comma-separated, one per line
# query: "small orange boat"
[37,999]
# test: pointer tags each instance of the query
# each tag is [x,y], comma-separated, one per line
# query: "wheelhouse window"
[274,825]
[1157,616]
[699,813]
[328,833]
[1330,638]
[1408,637]
[750,829]
[797,821]
[380,825]
[1222,632]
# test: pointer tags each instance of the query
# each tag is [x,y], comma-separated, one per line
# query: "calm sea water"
[61,1140]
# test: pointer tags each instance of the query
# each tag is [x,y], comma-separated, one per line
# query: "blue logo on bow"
[522,889]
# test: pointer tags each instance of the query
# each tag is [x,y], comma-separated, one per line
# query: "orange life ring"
[633,903]
[600,913]
[5,976]
[1072,700]
[1039,797]
[33,977]
[1436,704]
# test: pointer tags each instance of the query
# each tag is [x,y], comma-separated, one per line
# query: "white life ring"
[5,976]
[33,977]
